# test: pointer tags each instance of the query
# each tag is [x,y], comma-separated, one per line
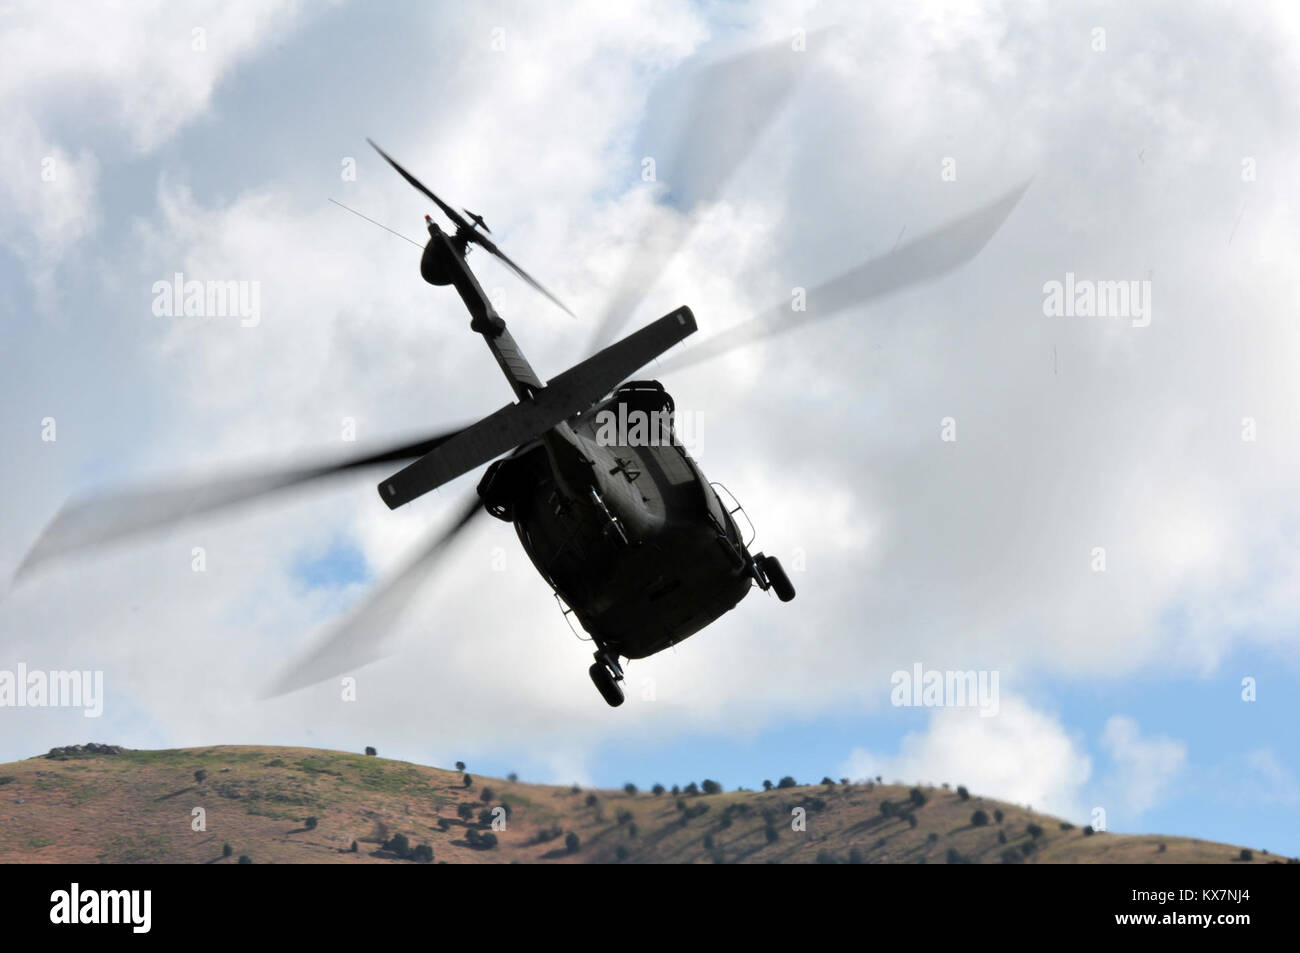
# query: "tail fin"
[565,395]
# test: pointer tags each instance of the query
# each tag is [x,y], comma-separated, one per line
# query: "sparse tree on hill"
[629,789]
[962,792]
[460,766]
[467,781]
[997,815]
[657,790]
[767,785]
[572,842]
[487,794]
[512,778]
[226,850]
[399,844]
[786,782]
[370,752]
[711,787]
[979,819]
[245,859]
[199,775]
[310,823]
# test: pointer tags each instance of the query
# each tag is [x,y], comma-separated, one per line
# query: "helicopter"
[633,540]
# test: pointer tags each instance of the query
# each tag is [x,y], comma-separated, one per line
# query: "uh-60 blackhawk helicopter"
[629,533]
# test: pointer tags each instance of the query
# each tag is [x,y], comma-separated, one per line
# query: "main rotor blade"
[102,519]
[361,638]
[923,259]
[728,106]
[471,234]
[447,210]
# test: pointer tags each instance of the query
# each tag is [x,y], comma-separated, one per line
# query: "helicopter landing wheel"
[771,567]
[606,684]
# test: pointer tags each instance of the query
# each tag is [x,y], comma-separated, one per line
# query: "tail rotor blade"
[447,210]
[470,233]
[922,260]
[363,637]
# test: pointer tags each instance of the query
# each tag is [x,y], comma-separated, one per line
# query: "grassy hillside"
[124,806]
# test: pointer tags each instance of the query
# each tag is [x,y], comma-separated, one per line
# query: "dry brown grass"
[136,807]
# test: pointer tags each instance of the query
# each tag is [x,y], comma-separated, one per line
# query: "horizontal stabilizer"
[564,396]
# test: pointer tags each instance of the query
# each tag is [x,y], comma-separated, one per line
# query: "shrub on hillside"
[979,819]
[370,752]
[962,792]
[786,782]
[399,844]
[572,842]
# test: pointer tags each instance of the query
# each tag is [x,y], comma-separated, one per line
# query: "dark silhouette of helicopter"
[619,521]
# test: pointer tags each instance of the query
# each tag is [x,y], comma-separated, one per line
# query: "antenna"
[373,222]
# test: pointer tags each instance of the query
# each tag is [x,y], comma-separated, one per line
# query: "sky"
[1098,509]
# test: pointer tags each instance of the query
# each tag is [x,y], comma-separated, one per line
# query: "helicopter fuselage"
[624,526]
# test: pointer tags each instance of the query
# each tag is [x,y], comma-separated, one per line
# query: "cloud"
[1022,755]
[78,80]
[1142,769]
[1072,433]
[1268,779]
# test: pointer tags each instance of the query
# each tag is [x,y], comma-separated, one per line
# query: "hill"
[115,805]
